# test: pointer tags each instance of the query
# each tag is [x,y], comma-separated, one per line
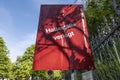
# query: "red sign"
[62,39]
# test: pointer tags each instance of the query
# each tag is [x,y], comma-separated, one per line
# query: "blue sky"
[19,22]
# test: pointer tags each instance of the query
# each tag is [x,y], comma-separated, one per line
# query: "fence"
[106,48]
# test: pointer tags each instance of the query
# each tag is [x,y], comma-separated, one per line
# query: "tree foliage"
[23,64]
[101,20]
[5,63]
[96,11]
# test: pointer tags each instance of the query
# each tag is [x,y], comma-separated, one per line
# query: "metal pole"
[73,75]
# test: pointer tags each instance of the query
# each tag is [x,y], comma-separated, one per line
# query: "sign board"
[62,39]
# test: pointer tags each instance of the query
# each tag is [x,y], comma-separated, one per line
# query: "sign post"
[87,75]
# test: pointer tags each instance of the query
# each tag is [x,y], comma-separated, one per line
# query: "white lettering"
[71,34]
[49,30]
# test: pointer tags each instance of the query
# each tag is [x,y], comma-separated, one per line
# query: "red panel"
[62,39]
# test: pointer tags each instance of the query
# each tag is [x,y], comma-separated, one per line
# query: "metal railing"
[106,48]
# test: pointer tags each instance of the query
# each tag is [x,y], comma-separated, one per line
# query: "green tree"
[5,63]
[23,65]
[95,13]
[107,67]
